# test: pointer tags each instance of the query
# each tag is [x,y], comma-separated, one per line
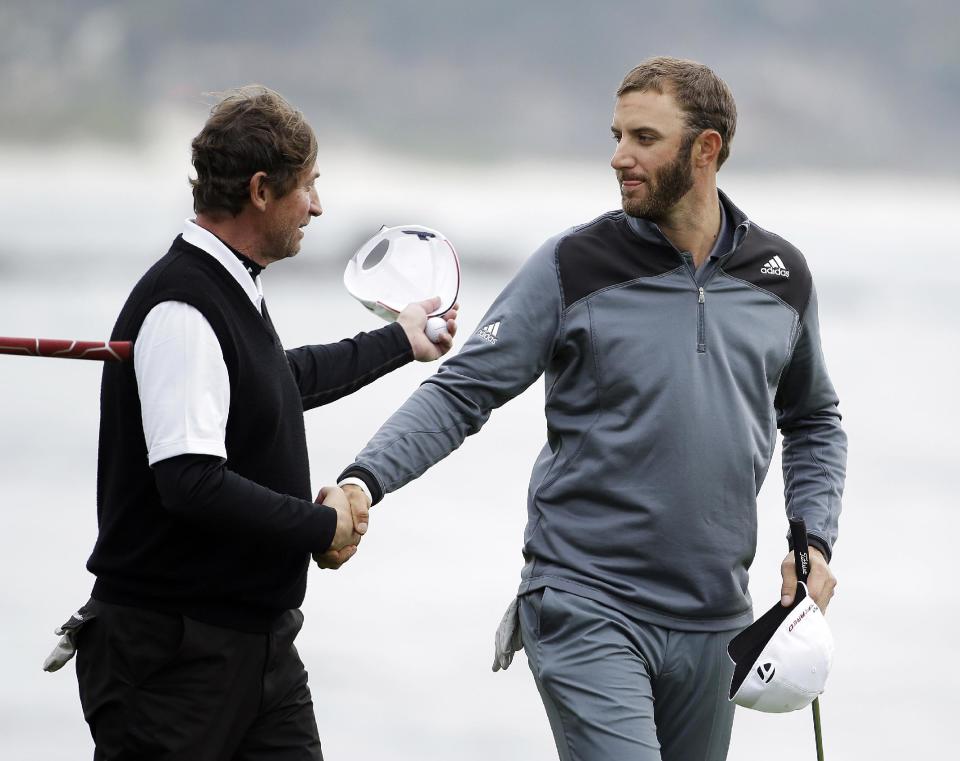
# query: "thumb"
[430,305]
[322,495]
[361,519]
[789,586]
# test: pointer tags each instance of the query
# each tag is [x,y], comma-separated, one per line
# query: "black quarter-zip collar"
[650,232]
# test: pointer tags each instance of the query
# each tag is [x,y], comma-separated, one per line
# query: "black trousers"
[161,686]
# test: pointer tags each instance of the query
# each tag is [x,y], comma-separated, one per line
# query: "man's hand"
[359,507]
[820,582]
[349,529]
[413,320]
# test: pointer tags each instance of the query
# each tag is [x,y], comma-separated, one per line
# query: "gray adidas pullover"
[664,391]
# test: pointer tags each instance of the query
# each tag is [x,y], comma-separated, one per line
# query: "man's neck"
[235,232]
[694,223]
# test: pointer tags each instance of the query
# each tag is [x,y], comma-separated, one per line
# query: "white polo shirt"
[182,379]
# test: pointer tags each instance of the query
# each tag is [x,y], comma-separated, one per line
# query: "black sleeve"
[327,372]
[814,443]
[200,489]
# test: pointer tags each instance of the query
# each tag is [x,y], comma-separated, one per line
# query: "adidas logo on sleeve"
[775,267]
[489,332]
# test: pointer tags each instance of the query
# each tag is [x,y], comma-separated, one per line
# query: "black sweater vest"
[147,557]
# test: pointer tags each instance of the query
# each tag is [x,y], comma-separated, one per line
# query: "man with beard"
[676,336]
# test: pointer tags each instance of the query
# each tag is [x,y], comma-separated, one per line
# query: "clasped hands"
[353,517]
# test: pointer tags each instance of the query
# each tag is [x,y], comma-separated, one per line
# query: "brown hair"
[704,98]
[251,129]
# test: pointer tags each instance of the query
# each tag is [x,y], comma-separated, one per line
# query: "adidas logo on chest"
[775,267]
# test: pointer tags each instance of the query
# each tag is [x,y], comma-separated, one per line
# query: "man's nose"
[621,159]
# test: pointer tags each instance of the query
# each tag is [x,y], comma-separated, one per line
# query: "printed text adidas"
[489,332]
[775,267]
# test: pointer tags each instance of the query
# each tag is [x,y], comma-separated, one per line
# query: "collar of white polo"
[782,660]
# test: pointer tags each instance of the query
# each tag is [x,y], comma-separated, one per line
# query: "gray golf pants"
[618,689]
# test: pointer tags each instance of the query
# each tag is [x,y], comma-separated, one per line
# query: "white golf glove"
[507,640]
[67,646]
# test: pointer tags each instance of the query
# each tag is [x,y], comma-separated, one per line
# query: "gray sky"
[828,85]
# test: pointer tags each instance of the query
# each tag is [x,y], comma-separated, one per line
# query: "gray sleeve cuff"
[359,473]
[815,541]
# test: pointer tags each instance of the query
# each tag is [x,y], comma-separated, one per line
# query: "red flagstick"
[105,351]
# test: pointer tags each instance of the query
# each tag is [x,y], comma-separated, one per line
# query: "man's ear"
[259,191]
[707,148]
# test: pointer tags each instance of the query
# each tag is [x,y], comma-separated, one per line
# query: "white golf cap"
[783,659]
[403,264]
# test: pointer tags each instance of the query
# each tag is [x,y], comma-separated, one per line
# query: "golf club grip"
[104,351]
[801,550]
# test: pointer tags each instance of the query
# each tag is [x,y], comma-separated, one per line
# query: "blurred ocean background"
[489,122]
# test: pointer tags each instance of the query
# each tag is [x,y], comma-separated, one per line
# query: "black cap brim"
[745,648]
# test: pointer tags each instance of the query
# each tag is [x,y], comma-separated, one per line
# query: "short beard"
[281,243]
[666,187]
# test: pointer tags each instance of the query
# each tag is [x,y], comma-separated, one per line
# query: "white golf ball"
[435,326]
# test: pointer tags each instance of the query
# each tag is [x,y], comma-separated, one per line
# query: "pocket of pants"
[529,615]
[143,642]
[562,614]
[80,619]
[548,615]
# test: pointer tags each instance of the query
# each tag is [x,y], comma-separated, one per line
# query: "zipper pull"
[701,296]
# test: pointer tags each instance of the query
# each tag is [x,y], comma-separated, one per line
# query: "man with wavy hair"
[206,521]
[676,336]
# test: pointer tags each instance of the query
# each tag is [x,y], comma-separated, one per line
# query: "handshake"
[353,516]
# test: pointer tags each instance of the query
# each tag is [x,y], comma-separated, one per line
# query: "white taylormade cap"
[783,658]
